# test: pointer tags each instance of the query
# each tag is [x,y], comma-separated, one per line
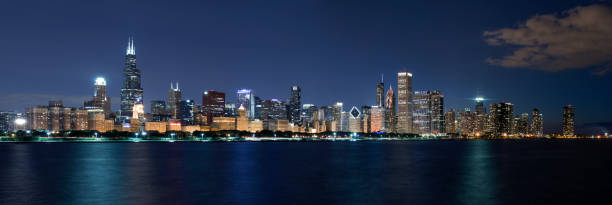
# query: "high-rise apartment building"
[501,119]
[537,127]
[404,102]
[132,92]
[568,120]
[428,112]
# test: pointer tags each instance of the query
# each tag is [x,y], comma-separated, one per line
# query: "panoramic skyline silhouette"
[544,54]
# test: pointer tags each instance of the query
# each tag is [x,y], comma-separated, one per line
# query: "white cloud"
[578,38]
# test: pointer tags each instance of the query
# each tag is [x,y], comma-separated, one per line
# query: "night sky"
[534,54]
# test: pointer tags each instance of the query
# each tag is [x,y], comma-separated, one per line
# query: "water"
[373,172]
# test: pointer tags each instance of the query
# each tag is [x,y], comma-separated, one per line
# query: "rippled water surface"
[364,172]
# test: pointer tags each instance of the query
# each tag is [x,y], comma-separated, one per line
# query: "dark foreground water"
[373,172]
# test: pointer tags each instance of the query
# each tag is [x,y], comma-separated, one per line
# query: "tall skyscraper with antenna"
[131,93]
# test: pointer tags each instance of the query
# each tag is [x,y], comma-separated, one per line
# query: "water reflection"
[478,178]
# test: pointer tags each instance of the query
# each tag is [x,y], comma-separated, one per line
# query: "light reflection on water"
[380,172]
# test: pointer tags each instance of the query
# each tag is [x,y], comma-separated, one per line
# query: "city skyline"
[353,88]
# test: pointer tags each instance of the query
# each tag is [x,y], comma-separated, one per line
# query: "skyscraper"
[380,94]
[187,113]
[100,100]
[537,125]
[295,104]
[501,118]
[336,114]
[213,104]
[436,104]
[449,122]
[354,120]
[377,119]
[421,113]
[131,93]
[174,102]
[247,100]
[404,102]
[159,111]
[568,120]
[480,108]
[390,117]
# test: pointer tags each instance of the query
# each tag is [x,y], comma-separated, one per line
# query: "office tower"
[80,119]
[174,102]
[436,104]
[480,108]
[354,120]
[131,93]
[366,121]
[213,104]
[187,114]
[336,114]
[230,110]
[258,107]
[404,102]
[242,121]
[537,126]
[295,104]
[568,120]
[100,100]
[421,113]
[159,111]
[273,109]
[377,119]
[308,113]
[37,118]
[501,118]
[380,94]
[390,117]
[449,122]
[428,112]
[344,116]
[246,99]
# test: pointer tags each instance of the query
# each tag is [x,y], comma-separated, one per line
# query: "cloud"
[578,38]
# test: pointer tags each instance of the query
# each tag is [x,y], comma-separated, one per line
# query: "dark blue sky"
[335,50]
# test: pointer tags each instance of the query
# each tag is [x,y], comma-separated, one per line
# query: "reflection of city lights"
[20,121]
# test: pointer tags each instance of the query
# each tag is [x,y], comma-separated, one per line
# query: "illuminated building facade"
[450,123]
[354,120]
[380,94]
[568,120]
[377,119]
[390,117]
[336,115]
[404,102]
[132,92]
[100,100]
[242,121]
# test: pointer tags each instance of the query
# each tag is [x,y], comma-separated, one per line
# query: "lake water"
[364,172]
